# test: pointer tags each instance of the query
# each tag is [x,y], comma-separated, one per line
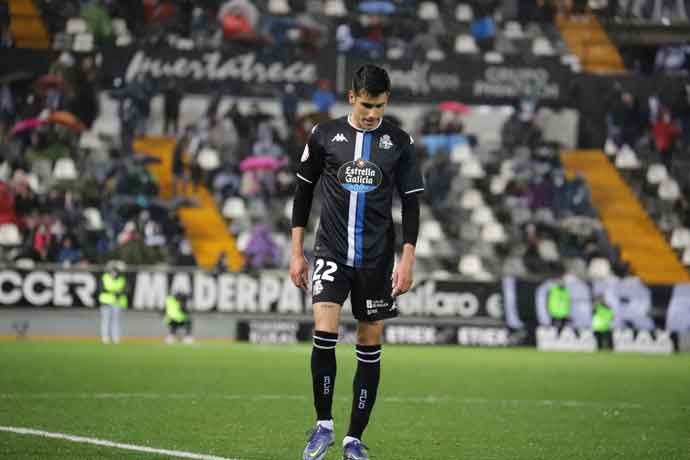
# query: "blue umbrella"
[377,7]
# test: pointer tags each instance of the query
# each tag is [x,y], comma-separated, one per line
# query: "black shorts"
[369,288]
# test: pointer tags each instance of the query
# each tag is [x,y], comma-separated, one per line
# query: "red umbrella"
[49,81]
[25,125]
[262,162]
[67,119]
[455,107]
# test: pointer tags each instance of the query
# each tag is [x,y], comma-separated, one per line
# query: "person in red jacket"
[665,131]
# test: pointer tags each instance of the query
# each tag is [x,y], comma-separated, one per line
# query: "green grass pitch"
[253,402]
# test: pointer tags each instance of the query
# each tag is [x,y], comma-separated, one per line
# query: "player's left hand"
[402,277]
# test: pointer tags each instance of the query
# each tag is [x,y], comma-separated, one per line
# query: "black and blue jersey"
[357,172]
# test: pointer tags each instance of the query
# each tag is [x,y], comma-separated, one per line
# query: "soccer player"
[358,161]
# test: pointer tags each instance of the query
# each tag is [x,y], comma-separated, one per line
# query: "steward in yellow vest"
[177,316]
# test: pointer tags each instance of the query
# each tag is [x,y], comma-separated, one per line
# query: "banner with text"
[442,311]
[246,71]
[471,80]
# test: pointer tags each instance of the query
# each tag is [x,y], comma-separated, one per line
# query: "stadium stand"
[511,207]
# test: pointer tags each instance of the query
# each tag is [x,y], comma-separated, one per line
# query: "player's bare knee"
[326,316]
[369,332]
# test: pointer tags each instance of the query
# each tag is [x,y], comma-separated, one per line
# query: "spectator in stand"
[172,98]
[261,251]
[324,98]
[224,137]
[68,254]
[239,18]
[265,144]
[5,33]
[289,104]
[665,131]
[626,120]
[682,112]
[221,264]
[178,173]
[439,178]
[7,205]
[42,243]
[7,108]
[128,233]
[483,26]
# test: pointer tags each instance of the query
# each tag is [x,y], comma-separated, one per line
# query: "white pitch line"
[106,443]
[430,399]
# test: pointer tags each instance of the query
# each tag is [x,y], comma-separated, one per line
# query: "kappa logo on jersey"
[318,287]
[360,176]
[385,142]
[340,137]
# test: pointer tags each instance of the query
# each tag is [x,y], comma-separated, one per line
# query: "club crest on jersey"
[385,142]
[360,176]
[340,137]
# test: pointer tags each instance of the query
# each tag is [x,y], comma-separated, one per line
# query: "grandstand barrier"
[269,308]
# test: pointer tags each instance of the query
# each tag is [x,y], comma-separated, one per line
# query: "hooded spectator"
[261,251]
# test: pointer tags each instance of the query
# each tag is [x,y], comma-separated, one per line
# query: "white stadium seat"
[471,266]
[541,46]
[482,215]
[464,13]
[335,8]
[120,27]
[461,153]
[65,169]
[431,229]
[428,11]
[493,57]
[465,44]
[94,220]
[208,159]
[493,232]
[610,147]
[234,208]
[9,235]
[669,190]
[278,7]
[627,159]
[656,173]
[76,26]
[680,238]
[471,199]
[599,268]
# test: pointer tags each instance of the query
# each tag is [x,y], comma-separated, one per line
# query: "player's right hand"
[299,271]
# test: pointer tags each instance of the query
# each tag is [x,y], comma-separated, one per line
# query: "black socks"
[323,367]
[364,387]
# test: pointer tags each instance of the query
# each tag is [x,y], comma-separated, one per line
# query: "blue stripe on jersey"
[361,203]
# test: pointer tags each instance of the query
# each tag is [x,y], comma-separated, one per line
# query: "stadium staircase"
[628,225]
[27,26]
[587,39]
[204,225]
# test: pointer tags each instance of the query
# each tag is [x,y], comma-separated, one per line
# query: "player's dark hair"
[371,79]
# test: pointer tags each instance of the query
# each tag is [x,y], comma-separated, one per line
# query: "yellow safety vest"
[113,292]
[173,310]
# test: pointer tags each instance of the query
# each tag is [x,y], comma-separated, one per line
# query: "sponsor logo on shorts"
[318,287]
[373,306]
